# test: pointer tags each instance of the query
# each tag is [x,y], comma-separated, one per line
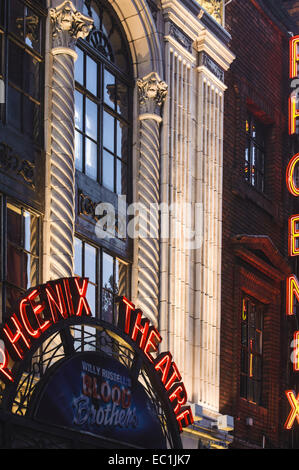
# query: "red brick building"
[255,333]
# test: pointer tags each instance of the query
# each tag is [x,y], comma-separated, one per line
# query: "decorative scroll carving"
[68,25]
[152,93]
[208,62]
[214,8]
[180,37]
[9,161]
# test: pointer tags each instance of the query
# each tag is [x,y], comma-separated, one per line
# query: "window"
[108,278]
[102,102]
[251,350]
[20,253]
[254,170]
[23,71]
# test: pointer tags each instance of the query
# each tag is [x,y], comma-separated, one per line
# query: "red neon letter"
[142,326]
[82,300]
[291,291]
[37,310]
[186,416]
[295,353]
[291,185]
[56,302]
[162,364]
[151,343]
[3,365]
[18,335]
[24,318]
[293,235]
[294,414]
[125,323]
[293,114]
[174,377]
[179,394]
[294,57]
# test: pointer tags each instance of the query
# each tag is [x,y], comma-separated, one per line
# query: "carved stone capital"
[214,8]
[68,25]
[152,93]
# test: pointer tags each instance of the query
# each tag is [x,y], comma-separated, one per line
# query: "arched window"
[103,101]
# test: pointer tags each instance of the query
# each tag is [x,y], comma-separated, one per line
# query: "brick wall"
[257,81]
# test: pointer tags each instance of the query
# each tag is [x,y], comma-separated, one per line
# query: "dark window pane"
[90,262]
[14,225]
[107,306]
[32,76]
[15,64]
[78,257]
[14,107]
[32,29]
[16,18]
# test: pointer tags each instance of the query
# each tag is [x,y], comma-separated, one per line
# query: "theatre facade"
[111,160]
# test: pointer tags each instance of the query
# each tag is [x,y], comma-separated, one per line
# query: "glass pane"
[15,64]
[91,298]
[16,266]
[78,110]
[91,75]
[91,157]
[121,177]
[91,123]
[32,29]
[90,262]
[121,134]
[78,257]
[108,170]
[31,76]
[14,108]
[31,118]
[107,306]
[121,271]
[107,271]
[122,100]
[79,66]
[108,132]
[16,18]
[14,224]
[109,89]
[32,270]
[30,228]
[78,151]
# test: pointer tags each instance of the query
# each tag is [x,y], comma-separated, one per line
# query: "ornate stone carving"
[10,162]
[214,8]
[68,25]
[152,93]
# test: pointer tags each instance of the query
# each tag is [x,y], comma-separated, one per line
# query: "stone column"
[67,25]
[152,94]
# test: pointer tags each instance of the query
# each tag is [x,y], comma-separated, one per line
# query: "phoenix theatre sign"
[58,301]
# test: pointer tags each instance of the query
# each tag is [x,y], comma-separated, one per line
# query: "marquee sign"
[52,306]
[292,284]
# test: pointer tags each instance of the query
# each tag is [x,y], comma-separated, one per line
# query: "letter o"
[293,189]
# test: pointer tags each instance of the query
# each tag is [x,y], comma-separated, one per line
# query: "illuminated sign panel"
[64,299]
[147,338]
[292,284]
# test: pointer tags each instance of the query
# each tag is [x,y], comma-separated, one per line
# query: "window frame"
[248,374]
[4,283]
[254,172]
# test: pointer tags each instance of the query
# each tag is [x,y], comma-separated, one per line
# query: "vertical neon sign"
[292,285]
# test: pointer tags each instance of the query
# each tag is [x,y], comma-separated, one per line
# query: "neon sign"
[292,284]
[147,338]
[43,307]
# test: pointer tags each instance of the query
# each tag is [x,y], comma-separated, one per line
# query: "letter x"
[294,414]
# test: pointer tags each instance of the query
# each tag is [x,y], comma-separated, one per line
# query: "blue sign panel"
[95,394]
